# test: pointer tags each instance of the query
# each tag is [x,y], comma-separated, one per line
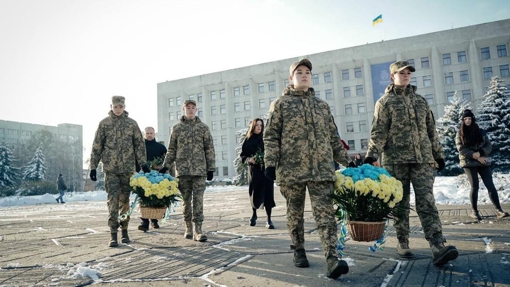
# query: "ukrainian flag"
[377,19]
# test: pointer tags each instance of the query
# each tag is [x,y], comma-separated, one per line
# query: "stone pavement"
[43,245]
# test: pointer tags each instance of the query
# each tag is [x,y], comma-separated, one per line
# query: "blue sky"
[62,60]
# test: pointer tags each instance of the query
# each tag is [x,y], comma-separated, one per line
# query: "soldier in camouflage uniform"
[404,135]
[118,143]
[301,142]
[191,147]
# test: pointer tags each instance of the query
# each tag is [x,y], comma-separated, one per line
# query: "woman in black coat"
[261,188]
[474,147]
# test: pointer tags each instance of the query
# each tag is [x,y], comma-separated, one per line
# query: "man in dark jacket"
[61,187]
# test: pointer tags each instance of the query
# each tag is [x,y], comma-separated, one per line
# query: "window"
[411,62]
[171,102]
[347,92]
[271,99]
[271,86]
[222,94]
[261,87]
[447,59]
[238,122]
[247,106]
[223,109]
[449,96]
[178,101]
[357,73]
[364,143]
[427,81]
[461,57]
[425,62]
[502,51]
[327,77]
[329,94]
[503,71]
[262,103]
[361,108]
[191,97]
[214,125]
[345,74]
[362,126]
[464,76]
[413,81]
[351,144]
[315,79]
[487,72]
[286,82]
[350,127]
[225,170]
[1,130]
[224,140]
[216,172]
[348,109]
[199,97]
[224,155]
[237,93]
[213,110]
[213,95]
[200,114]
[237,107]
[448,78]
[485,53]
[429,98]
[466,94]
[359,90]
[171,116]
[317,93]
[247,121]
[246,90]
[223,124]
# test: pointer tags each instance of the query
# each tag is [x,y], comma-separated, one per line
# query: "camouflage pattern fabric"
[118,190]
[323,213]
[119,144]
[301,139]
[404,129]
[192,190]
[466,152]
[191,147]
[422,178]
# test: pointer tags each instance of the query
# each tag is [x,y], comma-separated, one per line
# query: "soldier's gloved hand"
[93,175]
[145,168]
[270,172]
[352,164]
[163,170]
[369,160]
[440,163]
[210,175]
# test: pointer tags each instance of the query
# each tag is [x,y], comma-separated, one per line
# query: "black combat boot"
[113,240]
[154,223]
[300,259]
[125,237]
[144,226]
[336,267]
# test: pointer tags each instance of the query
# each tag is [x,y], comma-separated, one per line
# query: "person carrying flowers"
[404,135]
[191,148]
[301,142]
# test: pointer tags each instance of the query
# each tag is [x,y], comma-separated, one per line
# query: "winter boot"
[336,267]
[188,234]
[198,236]
[300,259]
[476,215]
[500,213]
[443,254]
[144,226]
[253,219]
[125,237]
[404,251]
[57,200]
[113,240]
[154,223]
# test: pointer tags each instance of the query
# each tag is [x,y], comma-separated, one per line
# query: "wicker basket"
[366,231]
[152,212]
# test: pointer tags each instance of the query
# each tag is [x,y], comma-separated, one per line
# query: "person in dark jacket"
[358,160]
[261,188]
[155,156]
[61,187]
[474,146]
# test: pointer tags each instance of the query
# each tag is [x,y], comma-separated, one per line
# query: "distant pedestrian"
[61,187]
[358,160]
[474,148]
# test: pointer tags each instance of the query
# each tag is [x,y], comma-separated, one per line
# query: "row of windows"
[328,78]
[15,132]
[225,171]
[503,71]
[485,52]
[363,144]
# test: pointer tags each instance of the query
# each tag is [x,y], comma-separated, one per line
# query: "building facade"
[350,80]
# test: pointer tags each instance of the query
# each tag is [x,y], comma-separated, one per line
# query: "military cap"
[295,65]
[401,65]
[118,100]
[186,102]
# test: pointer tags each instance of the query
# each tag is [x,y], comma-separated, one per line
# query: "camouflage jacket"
[191,147]
[466,152]
[119,144]
[404,129]
[301,139]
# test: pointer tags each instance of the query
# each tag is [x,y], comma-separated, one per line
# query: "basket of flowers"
[366,197]
[155,192]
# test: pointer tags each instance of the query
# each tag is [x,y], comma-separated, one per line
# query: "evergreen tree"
[8,173]
[36,168]
[494,117]
[241,177]
[447,127]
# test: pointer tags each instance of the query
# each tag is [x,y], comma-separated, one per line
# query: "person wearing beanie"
[474,147]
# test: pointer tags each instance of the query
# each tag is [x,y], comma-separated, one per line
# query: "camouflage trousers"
[422,177]
[323,213]
[118,190]
[192,190]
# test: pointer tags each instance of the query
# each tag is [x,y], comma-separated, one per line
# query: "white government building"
[350,80]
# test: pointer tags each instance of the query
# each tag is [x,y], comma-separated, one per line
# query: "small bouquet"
[156,163]
[155,189]
[259,157]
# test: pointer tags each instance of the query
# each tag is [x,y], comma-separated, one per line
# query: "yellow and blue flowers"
[155,189]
